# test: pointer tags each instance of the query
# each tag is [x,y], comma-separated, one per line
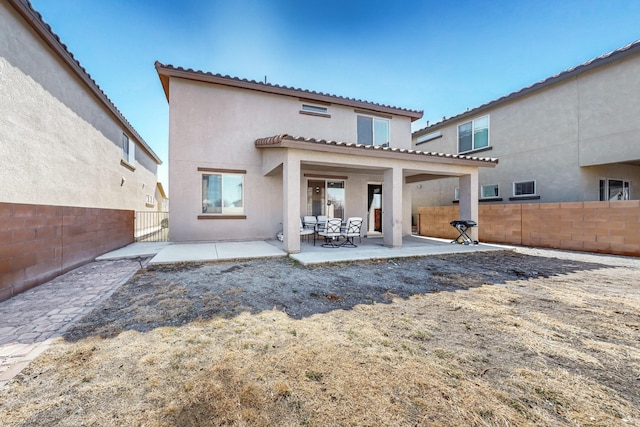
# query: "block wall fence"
[603,227]
[38,242]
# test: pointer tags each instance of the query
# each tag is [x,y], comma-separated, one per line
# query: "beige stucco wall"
[215,126]
[58,144]
[548,135]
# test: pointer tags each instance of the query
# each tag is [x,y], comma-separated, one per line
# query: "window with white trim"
[314,109]
[128,150]
[473,135]
[614,189]
[524,188]
[373,131]
[222,193]
[489,191]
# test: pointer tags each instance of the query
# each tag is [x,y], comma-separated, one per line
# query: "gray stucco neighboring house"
[248,159]
[571,137]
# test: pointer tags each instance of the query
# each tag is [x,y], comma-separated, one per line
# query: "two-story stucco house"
[247,159]
[63,142]
[572,137]
[72,169]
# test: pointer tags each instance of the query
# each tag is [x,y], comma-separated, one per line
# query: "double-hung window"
[222,193]
[373,131]
[473,135]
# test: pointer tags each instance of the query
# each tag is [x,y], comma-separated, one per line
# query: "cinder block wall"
[604,227]
[38,242]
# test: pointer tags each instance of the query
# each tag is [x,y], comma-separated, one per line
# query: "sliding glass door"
[325,197]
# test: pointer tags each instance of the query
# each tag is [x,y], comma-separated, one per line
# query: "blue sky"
[438,56]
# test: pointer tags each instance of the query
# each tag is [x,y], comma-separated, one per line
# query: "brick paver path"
[31,320]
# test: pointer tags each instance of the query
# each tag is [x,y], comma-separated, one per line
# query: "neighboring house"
[161,199]
[248,159]
[72,169]
[572,137]
[62,141]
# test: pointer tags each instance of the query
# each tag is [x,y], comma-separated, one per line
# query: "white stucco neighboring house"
[248,159]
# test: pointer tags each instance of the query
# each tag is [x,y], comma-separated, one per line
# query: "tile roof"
[170,70]
[278,139]
[35,20]
[607,58]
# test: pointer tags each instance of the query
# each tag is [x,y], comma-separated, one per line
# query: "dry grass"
[545,351]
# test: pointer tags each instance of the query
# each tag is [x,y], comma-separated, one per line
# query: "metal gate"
[151,226]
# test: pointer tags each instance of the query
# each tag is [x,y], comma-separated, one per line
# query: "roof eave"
[44,31]
[166,71]
[372,151]
[600,61]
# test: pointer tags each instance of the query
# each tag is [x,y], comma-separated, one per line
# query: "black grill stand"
[462,225]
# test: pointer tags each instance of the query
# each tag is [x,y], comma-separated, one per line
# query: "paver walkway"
[30,321]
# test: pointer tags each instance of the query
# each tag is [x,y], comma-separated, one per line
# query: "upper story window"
[373,131]
[128,150]
[314,109]
[473,135]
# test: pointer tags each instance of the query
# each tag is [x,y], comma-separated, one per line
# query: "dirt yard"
[508,338]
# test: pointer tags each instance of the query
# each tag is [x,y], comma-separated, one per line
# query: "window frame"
[497,191]
[128,152]
[314,109]
[535,188]
[474,128]
[226,212]
[606,188]
[373,129]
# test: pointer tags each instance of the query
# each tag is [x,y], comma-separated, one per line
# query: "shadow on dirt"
[178,294]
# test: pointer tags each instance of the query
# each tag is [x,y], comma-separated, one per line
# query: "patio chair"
[307,232]
[309,221]
[354,225]
[321,223]
[331,233]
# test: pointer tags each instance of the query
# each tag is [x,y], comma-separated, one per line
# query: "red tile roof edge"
[270,87]
[277,139]
[35,20]
[607,58]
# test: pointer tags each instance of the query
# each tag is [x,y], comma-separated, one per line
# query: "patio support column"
[392,191]
[291,203]
[469,201]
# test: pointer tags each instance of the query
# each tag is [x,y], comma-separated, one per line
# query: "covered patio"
[297,159]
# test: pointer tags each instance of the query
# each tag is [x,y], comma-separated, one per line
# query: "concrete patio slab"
[203,252]
[368,248]
[373,248]
[135,250]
